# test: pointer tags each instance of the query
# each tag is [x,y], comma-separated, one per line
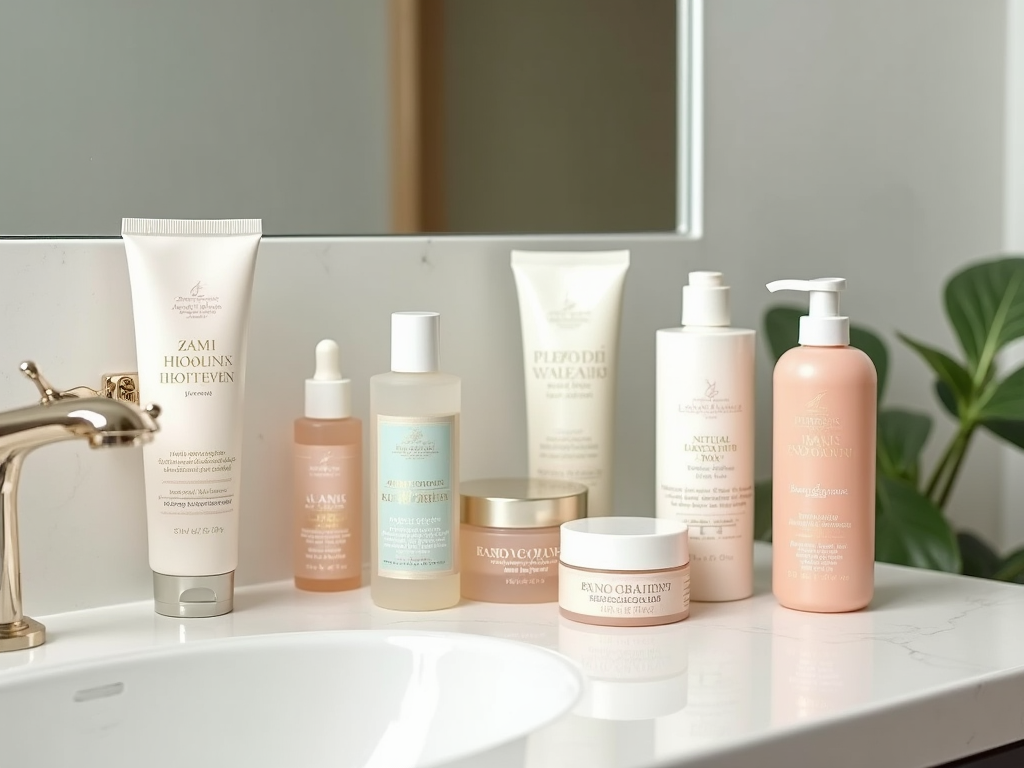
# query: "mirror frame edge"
[690,118]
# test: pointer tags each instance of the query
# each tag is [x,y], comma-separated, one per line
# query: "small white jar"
[624,571]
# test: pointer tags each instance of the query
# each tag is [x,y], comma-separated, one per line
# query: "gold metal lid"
[522,502]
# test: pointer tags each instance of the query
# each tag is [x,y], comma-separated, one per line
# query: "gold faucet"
[75,413]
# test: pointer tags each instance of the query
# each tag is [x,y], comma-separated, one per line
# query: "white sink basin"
[362,698]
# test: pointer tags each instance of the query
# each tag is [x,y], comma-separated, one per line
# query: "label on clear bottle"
[327,508]
[415,497]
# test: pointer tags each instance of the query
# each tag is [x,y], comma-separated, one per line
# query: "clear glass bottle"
[414,476]
[328,450]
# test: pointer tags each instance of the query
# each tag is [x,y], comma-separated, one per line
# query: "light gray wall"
[99,103]
[863,139]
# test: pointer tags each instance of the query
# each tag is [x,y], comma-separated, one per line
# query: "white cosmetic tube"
[569,307]
[191,292]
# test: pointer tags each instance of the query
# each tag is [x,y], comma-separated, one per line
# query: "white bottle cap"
[328,395]
[706,300]
[415,342]
[822,326]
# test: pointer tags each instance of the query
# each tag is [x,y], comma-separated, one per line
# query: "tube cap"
[415,342]
[706,300]
[328,395]
[193,597]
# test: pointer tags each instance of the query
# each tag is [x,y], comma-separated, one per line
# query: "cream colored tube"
[191,292]
[569,307]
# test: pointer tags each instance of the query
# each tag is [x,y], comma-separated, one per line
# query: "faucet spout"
[98,420]
[58,416]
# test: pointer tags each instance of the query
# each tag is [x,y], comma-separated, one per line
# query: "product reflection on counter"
[820,664]
[722,691]
[634,676]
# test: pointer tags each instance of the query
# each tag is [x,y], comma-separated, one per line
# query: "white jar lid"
[625,544]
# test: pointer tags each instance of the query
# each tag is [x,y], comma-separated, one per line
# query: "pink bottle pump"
[823,461]
[822,326]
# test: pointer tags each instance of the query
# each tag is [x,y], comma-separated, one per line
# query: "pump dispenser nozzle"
[822,326]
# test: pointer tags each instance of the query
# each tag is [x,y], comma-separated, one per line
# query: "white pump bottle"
[704,439]
[823,461]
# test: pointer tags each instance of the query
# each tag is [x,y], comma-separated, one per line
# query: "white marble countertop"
[931,672]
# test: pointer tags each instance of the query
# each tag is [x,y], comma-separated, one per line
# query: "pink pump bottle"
[823,461]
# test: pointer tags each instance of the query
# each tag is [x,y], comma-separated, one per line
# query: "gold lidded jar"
[510,537]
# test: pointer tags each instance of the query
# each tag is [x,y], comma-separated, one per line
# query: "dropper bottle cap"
[706,300]
[822,326]
[328,395]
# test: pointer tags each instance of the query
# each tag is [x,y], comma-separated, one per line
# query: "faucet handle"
[47,391]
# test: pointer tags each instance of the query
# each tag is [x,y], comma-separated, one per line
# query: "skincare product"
[414,476]
[191,290]
[569,307]
[624,571]
[510,537]
[704,438]
[328,454]
[823,461]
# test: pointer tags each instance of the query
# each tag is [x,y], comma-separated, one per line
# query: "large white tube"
[191,292]
[569,307]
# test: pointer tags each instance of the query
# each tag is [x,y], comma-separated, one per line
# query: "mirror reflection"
[335,117]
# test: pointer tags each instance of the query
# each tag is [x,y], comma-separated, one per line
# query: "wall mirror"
[351,117]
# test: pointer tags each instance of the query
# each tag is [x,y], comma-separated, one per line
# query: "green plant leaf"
[947,398]
[910,529]
[985,304]
[1012,431]
[782,330]
[978,558]
[1006,401]
[949,370]
[763,510]
[901,438]
[1011,568]
[873,346]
